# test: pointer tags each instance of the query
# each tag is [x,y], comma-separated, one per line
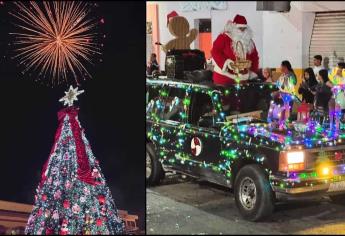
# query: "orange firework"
[55,39]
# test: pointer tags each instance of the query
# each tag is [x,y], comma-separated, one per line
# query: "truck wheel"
[253,194]
[338,199]
[154,169]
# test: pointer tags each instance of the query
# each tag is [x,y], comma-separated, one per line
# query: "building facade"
[14,216]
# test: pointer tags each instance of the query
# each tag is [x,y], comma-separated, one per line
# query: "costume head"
[170,16]
[178,25]
[238,30]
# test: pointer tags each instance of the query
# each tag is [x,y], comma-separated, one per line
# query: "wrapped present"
[303,112]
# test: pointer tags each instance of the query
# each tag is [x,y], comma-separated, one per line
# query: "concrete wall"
[307,30]
[319,6]
[286,36]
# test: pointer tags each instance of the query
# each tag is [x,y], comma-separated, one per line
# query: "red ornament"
[66,204]
[102,20]
[338,156]
[49,231]
[101,199]
[44,197]
[99,222]
[39,213]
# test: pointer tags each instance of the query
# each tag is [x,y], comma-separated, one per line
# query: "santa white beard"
[244,37]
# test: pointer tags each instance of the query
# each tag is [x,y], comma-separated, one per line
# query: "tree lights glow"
[73,197]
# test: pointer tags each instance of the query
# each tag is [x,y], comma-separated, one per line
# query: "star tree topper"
[71,96]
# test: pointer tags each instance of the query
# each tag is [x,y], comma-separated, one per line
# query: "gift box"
[303,112]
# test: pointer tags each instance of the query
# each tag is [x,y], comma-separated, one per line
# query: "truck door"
[203,142]
[173,121]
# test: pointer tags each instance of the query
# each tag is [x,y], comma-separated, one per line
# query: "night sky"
[111,112]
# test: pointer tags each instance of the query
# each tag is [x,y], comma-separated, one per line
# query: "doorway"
[204,40]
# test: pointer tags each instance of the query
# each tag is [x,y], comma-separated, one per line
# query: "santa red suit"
[224,52]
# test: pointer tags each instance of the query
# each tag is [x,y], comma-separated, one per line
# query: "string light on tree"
[72,197]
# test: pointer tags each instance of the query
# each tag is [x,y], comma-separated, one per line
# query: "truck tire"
[338,199]
[154,169]
[253,194]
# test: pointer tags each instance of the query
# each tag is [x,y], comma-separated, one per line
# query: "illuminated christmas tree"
[72,197]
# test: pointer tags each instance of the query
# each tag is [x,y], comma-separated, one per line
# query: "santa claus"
[226,50]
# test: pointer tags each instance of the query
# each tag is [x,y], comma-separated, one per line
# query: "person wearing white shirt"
[317,64]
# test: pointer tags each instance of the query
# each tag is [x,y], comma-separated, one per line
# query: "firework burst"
[56,38]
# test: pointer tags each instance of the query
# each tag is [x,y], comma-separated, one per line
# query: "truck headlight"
[295,157]
[291,160]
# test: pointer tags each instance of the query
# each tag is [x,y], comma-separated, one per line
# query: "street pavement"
[185,206]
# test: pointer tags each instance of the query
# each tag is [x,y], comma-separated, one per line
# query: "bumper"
[310,182]
[307,189]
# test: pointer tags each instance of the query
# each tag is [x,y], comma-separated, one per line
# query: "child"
[153,64]
[322,92]
[309,81]
[337,102]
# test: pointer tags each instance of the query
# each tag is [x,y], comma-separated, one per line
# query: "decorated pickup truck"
[263,143]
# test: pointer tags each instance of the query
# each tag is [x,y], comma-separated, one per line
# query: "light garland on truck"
[238,140]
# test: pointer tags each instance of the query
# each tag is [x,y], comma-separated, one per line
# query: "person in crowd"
[308,83]
[287,80]
[153,64]
[322,92]
[337,102]
[339,78]
[209,64]
[267,75]
[317,64]
[286,85]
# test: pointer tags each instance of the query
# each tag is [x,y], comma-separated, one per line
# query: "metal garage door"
[328,38]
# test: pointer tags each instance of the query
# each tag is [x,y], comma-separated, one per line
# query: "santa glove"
[253,75]
[228,64]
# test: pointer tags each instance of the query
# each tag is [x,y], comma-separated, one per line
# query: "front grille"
[335,155]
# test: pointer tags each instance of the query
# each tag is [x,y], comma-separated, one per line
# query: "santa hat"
[240,21]
[171,15]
